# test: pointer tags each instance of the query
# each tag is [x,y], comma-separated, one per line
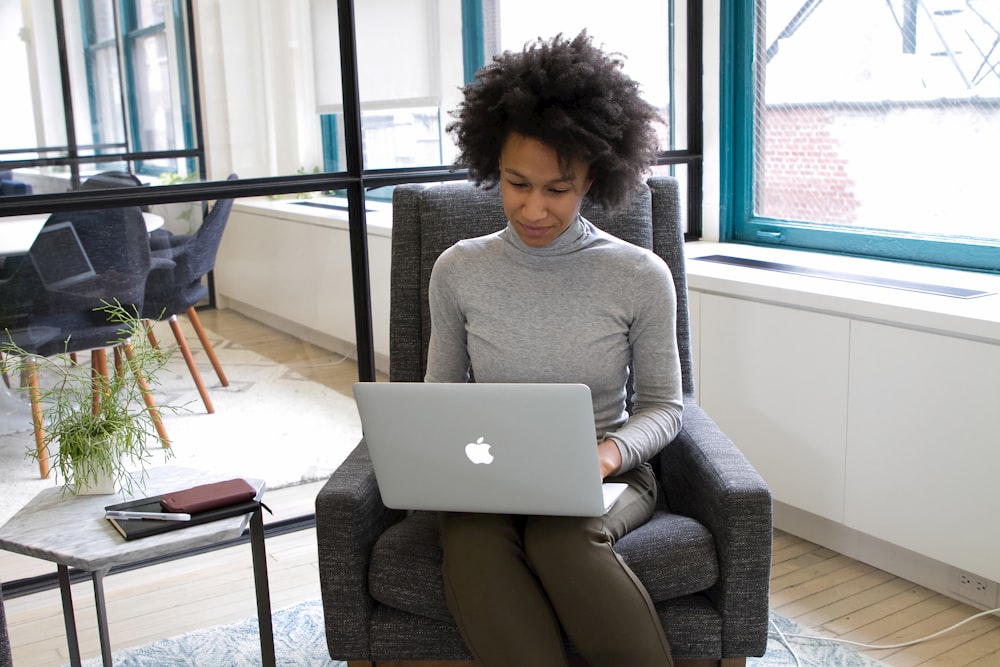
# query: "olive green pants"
[512,582]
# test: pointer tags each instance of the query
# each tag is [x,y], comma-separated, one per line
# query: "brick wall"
[805,175]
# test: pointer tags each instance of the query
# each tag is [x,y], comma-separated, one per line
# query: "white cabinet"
[775,380]
[293,271]
[886,430]
[923,446]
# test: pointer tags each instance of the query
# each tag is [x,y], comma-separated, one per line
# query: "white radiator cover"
[289,266]
[873,413]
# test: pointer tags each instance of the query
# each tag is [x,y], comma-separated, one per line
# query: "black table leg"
[102,617]
[69,617]
[262,588]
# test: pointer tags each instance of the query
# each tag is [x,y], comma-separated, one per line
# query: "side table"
[71,531]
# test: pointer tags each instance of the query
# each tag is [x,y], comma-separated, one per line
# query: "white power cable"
[881,646]
[781,638]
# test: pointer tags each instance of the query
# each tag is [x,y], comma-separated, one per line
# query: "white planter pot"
[103,485]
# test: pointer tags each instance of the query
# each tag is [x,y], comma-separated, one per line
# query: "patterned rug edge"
[300,641]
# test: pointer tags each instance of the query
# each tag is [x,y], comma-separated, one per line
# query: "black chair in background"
[110,179]
[79,260]
[113,179]
[170,292]
[10,186]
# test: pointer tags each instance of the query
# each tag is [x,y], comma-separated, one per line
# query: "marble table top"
[71,530]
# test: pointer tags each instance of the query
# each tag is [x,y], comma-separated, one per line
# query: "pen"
[157,516]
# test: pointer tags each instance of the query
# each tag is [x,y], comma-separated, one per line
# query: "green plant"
[87,438]
[183,211]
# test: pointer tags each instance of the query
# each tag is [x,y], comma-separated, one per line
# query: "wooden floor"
[830,593]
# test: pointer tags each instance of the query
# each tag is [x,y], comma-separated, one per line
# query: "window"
[114,84]
[137,84]
[97,85]
[405,102]
[868,128]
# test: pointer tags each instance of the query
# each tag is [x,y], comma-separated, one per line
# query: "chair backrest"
[428,219]
[110,179]
[117,244]
[197,257]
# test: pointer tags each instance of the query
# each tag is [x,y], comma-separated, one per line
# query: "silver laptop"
[479,447]
[59,257]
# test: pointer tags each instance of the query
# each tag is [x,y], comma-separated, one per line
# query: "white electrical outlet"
[974,588]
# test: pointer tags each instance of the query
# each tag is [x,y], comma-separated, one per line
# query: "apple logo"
[479,452]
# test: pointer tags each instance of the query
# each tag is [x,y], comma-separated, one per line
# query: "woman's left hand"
[609,457]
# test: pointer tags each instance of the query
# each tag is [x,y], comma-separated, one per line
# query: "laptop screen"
[59,256]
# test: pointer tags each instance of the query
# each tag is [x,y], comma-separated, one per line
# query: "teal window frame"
[738,222]
[473,38]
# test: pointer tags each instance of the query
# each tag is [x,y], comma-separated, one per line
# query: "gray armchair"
[704,556]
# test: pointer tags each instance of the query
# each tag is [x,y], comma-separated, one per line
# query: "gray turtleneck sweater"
[581,310]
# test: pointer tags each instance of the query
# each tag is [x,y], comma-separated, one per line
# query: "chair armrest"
[161,239]
[350,517]
[706,477]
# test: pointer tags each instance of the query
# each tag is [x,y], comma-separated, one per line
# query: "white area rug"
[270,423]
[300,641]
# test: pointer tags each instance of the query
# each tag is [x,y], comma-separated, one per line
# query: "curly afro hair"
[569,95]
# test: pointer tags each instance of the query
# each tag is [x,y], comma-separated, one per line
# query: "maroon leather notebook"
[208,496]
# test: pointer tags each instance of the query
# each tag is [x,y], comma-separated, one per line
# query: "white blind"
[398,53]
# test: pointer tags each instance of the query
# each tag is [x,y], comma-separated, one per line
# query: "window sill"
[975,318]
[320,211]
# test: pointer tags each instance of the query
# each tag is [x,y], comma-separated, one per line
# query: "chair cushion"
[672,555]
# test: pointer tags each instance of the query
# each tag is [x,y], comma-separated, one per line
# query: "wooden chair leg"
[6,376]
[182,343]
[207,344]
[151,335]
[147,396]
[99,375]
[37,418]
[119,363]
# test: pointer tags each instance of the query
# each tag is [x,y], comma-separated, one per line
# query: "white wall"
[289,266]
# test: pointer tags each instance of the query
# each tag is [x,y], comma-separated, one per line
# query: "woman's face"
[541,197]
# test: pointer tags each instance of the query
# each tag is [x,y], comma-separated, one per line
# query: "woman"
[553,299]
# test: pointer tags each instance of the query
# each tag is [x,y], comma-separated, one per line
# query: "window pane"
[261,67]
[879,115]
[26,131]
[406,101]
[149,12]
[403,100]
[103,19]
[402,137]
[153,100]
[105,132]
[644,44]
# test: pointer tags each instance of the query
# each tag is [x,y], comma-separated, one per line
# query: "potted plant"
[97,445]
